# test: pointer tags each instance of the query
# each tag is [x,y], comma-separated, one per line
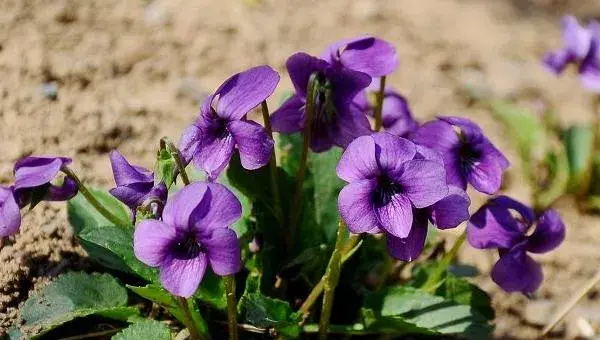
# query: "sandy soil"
[129,72]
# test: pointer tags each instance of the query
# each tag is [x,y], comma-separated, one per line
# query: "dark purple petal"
[10,216]
[222,209]
[133,195]
[504,202]
[31,172]
[244,91]
[182,277]
[346,84]
[493,226]
[485,175]
[549,233]
[350,124]
[66,191]
[300,66]
[392,151]
[589,70]
[370,55]
[321,138]
[151,241]
[396,216]
[358,160]
[556,61]
[289,118]
[422,181]
[451,210]
[187,205]
[223,251]
[437,135]
[252,141]
[466,126]
[428,154]
[355,205]
[214,154]
[410,247]
[125,173]
[515,271]
[190,140]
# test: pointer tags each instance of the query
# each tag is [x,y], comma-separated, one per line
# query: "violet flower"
[388,180]
[10,216]
[589,70]
[397,118]
[335,121]
[469,157]
[135,184]
[194,232]
[494,226]
[577,42]
[222,125]
[370,55]
[33,177]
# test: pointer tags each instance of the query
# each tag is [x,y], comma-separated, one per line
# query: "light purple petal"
[245,90]
[589,70]
[485,175]
[370,55]
[358,160]
[191,200]
[35,171]
[223,251]
[64,192]
[151,241]
[126,173]
[222,209]
[576,38]
[515,271]
[451,210]
[396,216]
[132,195]
[493,226]
[428,154]
[396,115]
[356,206]
[10,216]
[410,247]
[190,140]
[437,135]
[214,154]
[182,277]
[289,118]
[423,182]
[549,233]
[556,61]
[255,146]
[392,151]
[300,66]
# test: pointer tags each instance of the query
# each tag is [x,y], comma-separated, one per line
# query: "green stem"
[379,107]
[231,307]
[166,143]
[93,201]
[296,208]
[432,281]
[272,162]
[188,319]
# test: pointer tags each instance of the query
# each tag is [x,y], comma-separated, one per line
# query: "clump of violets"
[193,234]
[34,177]
[513,228]
[469,157]
[222,126]
[135,184]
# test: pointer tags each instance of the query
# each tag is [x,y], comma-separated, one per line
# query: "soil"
[80,78]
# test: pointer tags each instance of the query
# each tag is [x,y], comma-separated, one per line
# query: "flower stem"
[166,143]
[231,307]
[379,107]
[296,208]
[432,281]
[272,162]
[93,201]
[188,319]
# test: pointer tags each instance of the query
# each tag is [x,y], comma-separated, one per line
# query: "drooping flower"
[388,179]
[494,226]
[397,118]
[469,157]
[370,55]
[335,121]
[194,232]
[10,216]
[576,40]
[135,184]
[222,125]
[33,180]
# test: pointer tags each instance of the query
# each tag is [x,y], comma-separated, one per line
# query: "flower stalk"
[379,107]
[188,319]
[231,307]
[432,281]
[273,162]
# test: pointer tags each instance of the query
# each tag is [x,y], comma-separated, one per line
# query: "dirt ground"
[128,72]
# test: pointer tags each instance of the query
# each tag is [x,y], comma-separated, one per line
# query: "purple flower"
[33,177]
[335,121]
[222,125]
[469,157]
[397,117]
[388,179]
[194,232]
[589,70]
[494,226]
[577,41]
[135,185]
[375,57]
[10,216]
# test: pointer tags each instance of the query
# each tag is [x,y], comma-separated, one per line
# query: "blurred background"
[79,78]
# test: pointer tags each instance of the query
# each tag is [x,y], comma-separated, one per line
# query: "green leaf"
[266,312]
[74,295]
[212,291]
[579,143]
[428,312]
[83,215]
[113,247]
[465,293]
[595,186]
[146,330]
[557,164]
[165,169]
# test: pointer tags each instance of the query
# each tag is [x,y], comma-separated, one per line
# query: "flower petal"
[396,115]
[346,84]
[375,57]
[350,124]
[132,195]
[214,154]
[556,61]
[289,117]
[358,160]
[255,146]
[223,251]
[492,226]
[151,241]
[576,39]
[485,175]
[182,277]
[424,182]
[396,216]
[31,172]
[392,151]
[222,210]
[515,271]
[300,66]
[451,210]
[589,70]
[64,192]
[190,140]
[410,247]
[10,216]
[245,90]
[356,206]
[125,173]
[191,201]
[549,233]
